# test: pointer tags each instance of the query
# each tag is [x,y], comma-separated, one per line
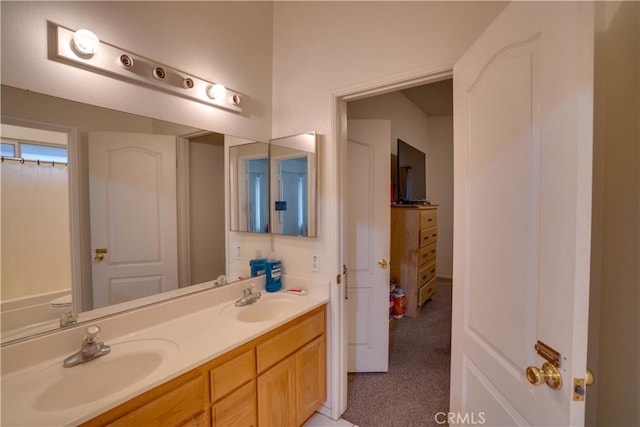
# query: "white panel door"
[523,99]
[132,180]
[368,228]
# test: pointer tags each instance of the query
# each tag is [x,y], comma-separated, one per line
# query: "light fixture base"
[127,65]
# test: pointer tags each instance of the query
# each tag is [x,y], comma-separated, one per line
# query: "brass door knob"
[547,374]
[382,263]
[589,380]
[99,256]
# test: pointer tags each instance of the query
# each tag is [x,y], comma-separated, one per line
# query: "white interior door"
[132,179]
[523,99]
[368,228]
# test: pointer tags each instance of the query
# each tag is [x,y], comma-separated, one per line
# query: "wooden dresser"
[414,234]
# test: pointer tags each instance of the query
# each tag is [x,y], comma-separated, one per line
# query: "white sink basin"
[269,307]
[56,388]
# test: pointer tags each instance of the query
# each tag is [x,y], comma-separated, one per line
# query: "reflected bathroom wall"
[35,265]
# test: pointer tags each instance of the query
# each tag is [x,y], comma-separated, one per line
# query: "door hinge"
[339,279]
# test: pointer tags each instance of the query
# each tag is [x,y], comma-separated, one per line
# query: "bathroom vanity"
[281,373]
[211,364]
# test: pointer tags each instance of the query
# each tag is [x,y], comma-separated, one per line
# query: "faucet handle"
[93,334]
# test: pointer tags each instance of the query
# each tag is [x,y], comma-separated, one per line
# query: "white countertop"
[191,340]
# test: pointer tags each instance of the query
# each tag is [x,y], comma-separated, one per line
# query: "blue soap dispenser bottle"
[274,275]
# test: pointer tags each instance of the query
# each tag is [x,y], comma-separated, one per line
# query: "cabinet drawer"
[426,273]
[173,408]
[427,254]
[428,218]
[231,375]
[427,291]
[236,410]
[428,236]
[285,343]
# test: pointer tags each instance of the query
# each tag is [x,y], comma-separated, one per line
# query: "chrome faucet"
[248,296]
[220,281]
[91,349]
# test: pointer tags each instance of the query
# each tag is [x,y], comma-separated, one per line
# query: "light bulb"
[217,91]
[85,42]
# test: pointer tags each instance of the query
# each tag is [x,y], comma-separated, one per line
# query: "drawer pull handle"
[433,271]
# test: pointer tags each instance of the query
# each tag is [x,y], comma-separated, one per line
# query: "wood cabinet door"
[311,388]
[277,395]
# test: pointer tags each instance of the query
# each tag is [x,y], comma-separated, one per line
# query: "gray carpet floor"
[417,384]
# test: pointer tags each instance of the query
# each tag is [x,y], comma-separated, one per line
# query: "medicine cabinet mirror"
[293,171]
[249,187]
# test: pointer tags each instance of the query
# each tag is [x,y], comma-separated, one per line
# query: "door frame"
[429,74]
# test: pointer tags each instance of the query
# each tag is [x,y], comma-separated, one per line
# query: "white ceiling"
[435,99]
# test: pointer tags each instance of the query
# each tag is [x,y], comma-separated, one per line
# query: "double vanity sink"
[48,393]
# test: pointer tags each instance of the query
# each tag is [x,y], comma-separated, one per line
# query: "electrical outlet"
[315,263]
[238,252]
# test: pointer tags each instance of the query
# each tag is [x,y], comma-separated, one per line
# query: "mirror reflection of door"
[258,195]
[293,182]
[249,187]
[133,215]
[293,190]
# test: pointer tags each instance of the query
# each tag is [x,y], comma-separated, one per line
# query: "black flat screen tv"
[411,175]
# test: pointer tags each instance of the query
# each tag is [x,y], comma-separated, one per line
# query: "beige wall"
[207,208]
[614,328]
[408,122]
[440,186]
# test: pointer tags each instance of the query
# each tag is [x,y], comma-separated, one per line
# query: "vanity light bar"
[121,63]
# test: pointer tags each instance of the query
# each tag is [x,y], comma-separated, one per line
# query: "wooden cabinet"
[290,391]
[178,406]
[278,379]
[414,235]
[311,387]
[276,394]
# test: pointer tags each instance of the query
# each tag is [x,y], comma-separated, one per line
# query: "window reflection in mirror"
[249,187]
[293,184]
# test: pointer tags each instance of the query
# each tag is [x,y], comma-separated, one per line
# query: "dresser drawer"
[428,236]
[427,254]
[428,218]
[232,374]
[426,273]
[426,291]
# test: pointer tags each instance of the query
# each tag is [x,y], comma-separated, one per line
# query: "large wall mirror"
[294,184]
[136,192]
